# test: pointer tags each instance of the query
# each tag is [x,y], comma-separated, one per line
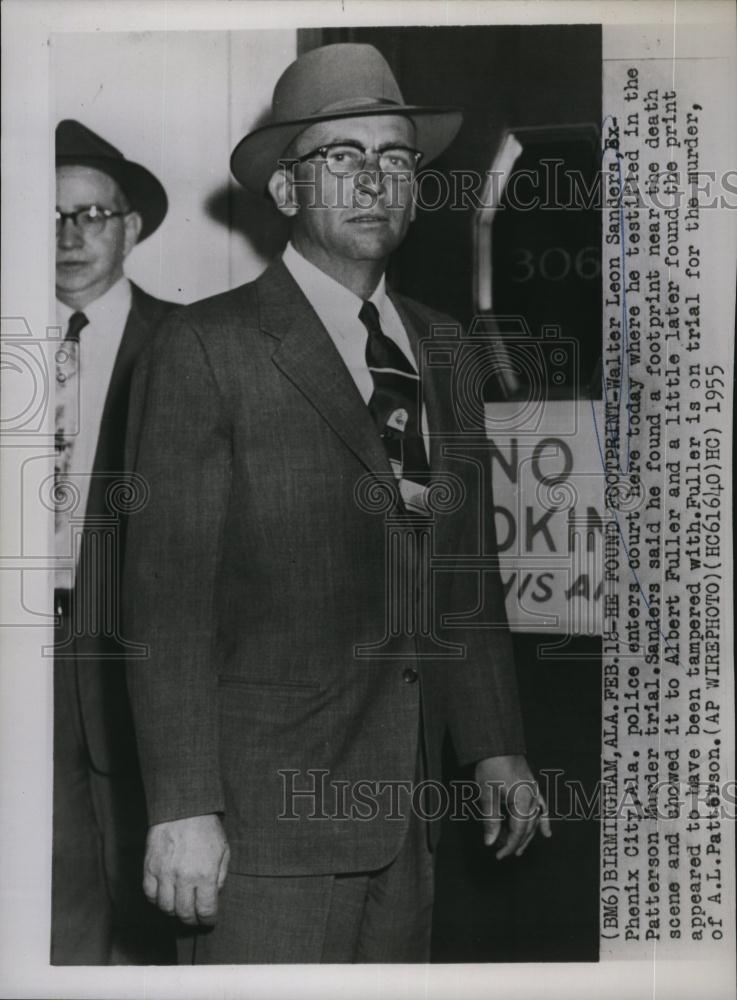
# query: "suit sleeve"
[483,710]
[179,443]
[481,701]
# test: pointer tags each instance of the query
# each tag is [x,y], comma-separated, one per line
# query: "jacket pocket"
[268,686]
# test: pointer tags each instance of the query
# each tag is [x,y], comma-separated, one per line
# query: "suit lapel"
[308,358]
[141,318]
[109,463]
[109,451]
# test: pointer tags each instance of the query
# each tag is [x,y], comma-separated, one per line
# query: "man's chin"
[70,278]
[369,243]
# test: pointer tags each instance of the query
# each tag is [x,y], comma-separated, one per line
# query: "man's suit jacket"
[258,567]
[96,645]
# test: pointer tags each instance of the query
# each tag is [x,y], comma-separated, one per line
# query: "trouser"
[99,913]
[82,915]
[377,916]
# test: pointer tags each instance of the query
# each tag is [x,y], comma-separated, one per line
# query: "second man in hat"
[105,204]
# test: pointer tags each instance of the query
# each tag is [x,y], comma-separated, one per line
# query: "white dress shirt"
[99,343]
[338,309]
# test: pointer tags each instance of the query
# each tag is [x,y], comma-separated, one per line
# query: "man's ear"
[281,190]
[133,226]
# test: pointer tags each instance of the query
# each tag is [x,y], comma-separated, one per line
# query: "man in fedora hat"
[105,205]
[303,665]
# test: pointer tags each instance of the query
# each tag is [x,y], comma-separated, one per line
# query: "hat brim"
[256,156]
[144,192]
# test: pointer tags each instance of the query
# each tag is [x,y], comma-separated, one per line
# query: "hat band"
[356,102]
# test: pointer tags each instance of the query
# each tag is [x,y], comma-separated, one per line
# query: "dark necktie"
[396,402]
[77,322]
[67,420]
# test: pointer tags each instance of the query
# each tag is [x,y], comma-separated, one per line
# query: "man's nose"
[371,173]
[371,179]
[68,235]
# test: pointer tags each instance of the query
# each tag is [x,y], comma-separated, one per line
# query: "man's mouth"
[369,220]
[71,263]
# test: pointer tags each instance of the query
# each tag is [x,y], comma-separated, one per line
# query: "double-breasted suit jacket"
[260,576]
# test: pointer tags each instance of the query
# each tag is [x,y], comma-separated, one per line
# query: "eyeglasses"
[90,220]
[346,158]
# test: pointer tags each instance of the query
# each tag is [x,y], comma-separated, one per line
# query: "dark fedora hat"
[76,144]
[336,81]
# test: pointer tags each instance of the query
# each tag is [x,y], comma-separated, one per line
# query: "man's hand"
[508,782]
[185,867]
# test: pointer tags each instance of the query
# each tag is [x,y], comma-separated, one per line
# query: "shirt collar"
[333,302]
[114,304]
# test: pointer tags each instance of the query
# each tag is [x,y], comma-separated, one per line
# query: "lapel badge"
[398,420]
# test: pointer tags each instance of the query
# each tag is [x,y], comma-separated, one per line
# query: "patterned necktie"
[396,402]
[67,426]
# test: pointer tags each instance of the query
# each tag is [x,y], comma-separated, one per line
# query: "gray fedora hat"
[344,80]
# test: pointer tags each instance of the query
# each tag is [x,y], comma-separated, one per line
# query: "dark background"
[544,906]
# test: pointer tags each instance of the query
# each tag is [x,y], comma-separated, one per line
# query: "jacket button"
[410,675]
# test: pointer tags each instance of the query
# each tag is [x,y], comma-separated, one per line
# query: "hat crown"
[75,139]
[334,77]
